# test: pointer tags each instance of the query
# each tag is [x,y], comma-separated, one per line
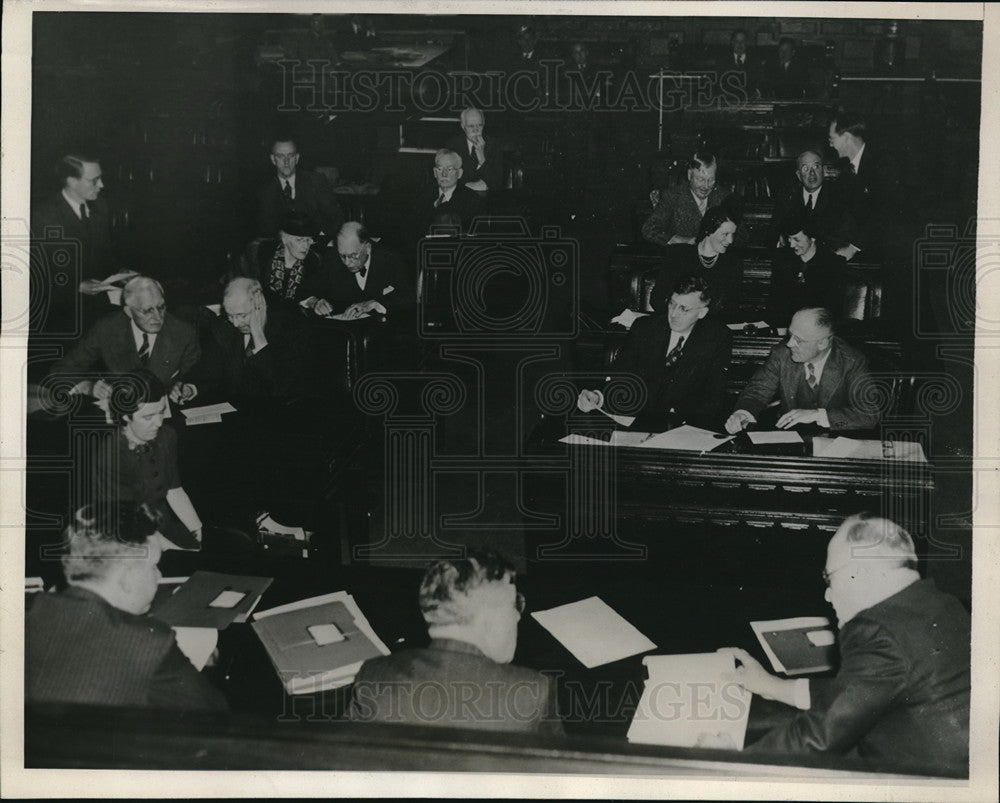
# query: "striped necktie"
[811,376]
[674,354]
[144,350]
[248,351]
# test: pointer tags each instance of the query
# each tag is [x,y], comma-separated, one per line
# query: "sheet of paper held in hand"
[686,697]
[593,631]
[840,448]
[686,438]
[207,414]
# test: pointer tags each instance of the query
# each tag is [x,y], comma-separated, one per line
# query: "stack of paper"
[686,699]
[686,438]
[840,448]
[797,646]
[593,631]
[212,599]
[318,643]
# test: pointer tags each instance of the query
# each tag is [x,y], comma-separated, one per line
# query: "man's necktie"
[439,201]
[363,272]
[475,155]
[288,191]
[144,350]
[84,214]
[811,376]
[248,351]
[809,202]
[674,354]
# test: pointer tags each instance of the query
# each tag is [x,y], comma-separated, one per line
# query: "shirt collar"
[856,161]
[73,204]
[290,180]
[137,334]
[447,193]
[815,194]
[818,364]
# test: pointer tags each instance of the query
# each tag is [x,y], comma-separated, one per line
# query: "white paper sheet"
[593,631]
[195,420]
[775,436]
[686,438]
[581,440]
[620,420]
[739,327]
[208,409]
[627,317]
[197,643]
[686,697]
[619,438]
[795,623]
[841,448]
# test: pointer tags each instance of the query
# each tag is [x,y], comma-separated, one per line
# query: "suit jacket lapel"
[833,375]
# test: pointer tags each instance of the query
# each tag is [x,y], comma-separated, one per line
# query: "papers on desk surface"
[593,631]
[620,420]
[851,448]
[627,317]
[686,438]
[342,316]
[739,327]
[686,697]
[797,646]
[212,599]
[775,436]
[207,414]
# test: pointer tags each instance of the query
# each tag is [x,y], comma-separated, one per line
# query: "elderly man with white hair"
[902,691]
[463,679]
[482,158]
[140,335]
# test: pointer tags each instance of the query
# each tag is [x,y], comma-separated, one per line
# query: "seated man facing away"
[370,274]
[141,335]
[255,349]
[681,356]
[462,679]
[902,691]
[93,643]
[817,377]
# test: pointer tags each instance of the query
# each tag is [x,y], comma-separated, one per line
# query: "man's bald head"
[238,300]
[241,287]
[353,245]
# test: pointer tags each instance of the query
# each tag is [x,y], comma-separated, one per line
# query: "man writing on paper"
[463,678]
[683,359]
[93,643]
[371,278]
[140,335]
[817,377]
[902,691]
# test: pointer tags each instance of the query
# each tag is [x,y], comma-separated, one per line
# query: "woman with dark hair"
[709,257]
[137,463]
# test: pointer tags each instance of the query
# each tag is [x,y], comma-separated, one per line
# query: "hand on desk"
[739,420]
[754,678]
[322,307]
[795,417]
[182,392]
[363,307]
[588,400]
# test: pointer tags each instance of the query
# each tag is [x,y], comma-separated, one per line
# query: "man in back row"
[817,377]
[678,215]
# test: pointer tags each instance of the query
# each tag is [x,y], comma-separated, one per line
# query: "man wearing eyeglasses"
[902,691]
[255,350]
[296,192]
[371,275]
[682,358]
[817,378]
[449,197]
[463,678]
[140,335]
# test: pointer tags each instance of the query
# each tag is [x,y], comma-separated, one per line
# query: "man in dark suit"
[823,205]
[294,192]
[682,357]
[371,274]
[817,377]
[254,351]
[902,691]
[739,59]
[140,335]
[76,213]
[787,78]
[472,608]
[94,644]
[806,274]
[482,159]
[678,215]
[357,33]
[450,197]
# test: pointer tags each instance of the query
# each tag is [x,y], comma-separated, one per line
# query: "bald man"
[142,334]
[482,159]
[371,275]
[255,350]
[817,378]
[902,691]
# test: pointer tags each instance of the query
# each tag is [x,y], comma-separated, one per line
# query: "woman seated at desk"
[710,258]
[138,463]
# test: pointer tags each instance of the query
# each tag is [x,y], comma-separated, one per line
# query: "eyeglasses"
[519,602]
[446,171]
[682,309]
[285,157]
[827,575]
[796,339]
[159,309]
[351,257]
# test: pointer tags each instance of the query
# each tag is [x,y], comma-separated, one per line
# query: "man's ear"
[128,311]
[702,313]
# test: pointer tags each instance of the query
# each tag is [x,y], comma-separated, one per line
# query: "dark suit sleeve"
[491,171]
[860,411]
[279,366]
[190,353]
[85,357]
[404,294]
[872,675]
[177,684]
[709,406]
[763,386]
[659,228]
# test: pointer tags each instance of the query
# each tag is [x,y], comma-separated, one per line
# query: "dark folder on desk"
[798,646]
[212,599]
